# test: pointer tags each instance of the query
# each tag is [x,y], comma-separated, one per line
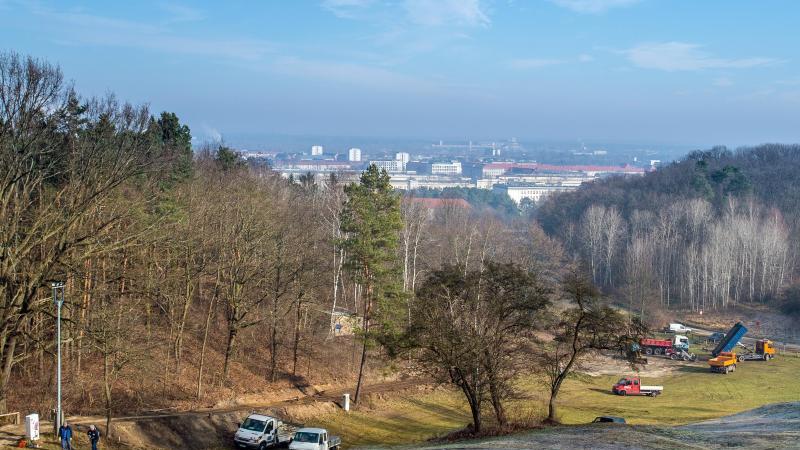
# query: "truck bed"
[651,388]
[732,337]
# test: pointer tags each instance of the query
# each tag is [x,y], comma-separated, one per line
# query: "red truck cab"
[633,386]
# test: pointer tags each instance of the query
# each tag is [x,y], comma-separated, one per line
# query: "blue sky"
[679,71]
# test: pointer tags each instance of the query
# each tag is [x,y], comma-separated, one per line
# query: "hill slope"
[771,426]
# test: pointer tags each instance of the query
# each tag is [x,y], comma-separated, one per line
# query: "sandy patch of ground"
[656,367]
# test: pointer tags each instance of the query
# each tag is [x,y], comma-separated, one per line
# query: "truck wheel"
[766,357]
[658,351]
[733,368]
[648,351]
[623,393]
[263,446]
[740,358]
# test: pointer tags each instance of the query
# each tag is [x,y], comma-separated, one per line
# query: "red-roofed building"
[499,168]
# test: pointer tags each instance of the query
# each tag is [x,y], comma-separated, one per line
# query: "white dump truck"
[314,439]
[259,431]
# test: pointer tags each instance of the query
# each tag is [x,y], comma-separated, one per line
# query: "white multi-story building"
[402,156]
[452,168]
[391,166]
[534,192]
[354,155]
[410,181]
[316,150]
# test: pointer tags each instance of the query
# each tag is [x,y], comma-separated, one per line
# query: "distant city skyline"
[678,72]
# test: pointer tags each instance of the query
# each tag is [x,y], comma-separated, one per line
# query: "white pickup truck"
[260,432]
[314,439]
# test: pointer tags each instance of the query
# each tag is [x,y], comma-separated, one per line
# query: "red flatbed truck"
[633,386]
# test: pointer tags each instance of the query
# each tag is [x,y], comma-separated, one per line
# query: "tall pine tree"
[371,224]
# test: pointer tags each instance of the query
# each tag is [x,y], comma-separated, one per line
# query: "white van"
[261,432]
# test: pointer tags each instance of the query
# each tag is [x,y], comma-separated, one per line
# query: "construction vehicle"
[676,348]
[724,362]
[723,357]
[633,386]
[764,351]
[732,337]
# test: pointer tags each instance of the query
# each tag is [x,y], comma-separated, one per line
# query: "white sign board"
[32,427]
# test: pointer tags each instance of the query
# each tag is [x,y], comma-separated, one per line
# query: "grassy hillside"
[691,394]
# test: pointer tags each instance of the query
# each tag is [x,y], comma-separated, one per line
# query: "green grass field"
[691,394]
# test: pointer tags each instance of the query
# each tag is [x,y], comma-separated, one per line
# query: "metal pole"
[58,301]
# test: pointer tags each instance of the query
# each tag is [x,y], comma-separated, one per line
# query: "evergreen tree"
[371,224]
[177,140]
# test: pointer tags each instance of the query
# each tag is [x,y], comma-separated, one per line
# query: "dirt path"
[332,395]
[172,423]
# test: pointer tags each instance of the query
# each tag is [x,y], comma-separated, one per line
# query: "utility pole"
[58,300]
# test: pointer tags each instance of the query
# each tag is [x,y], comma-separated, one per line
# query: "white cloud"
[593,6]
[723,82]
[446,12]
[534,63]
[346,9]
[105,31]
[538,63]
[181,13]
[681,56]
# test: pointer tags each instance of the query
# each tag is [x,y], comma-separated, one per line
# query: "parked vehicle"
[715,337]
[764,351]
[314,439]
[677,328]
[731,338]
[633,386]
[676,348]
[725,362]
[608,419]
[260,432]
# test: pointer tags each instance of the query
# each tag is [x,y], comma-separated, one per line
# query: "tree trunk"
[296,345]
[107,394]
[497,404]
[188,293]
[361,370]
[551,406]
[229,352]
[5,373]
[367,311]
[205,337]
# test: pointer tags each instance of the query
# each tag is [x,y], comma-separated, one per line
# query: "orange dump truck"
[725,362]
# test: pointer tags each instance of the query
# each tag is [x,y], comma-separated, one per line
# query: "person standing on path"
[65,433]
[94,436]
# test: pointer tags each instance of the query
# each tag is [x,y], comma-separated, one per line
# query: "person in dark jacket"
[94,436]
[65,433]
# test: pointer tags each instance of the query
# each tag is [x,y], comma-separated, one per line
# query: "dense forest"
[485,200]
[715,229]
